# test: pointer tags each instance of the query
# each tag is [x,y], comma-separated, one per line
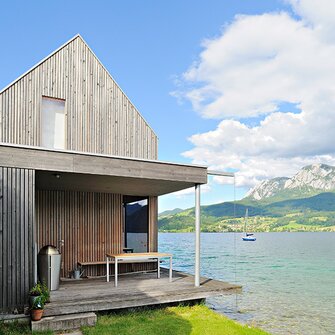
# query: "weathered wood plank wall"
[153,224]
[90,225]
[17,192]
[100,117]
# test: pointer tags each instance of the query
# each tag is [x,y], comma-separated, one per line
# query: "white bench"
[90,263]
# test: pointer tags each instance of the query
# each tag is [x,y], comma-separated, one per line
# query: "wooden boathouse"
[79,170]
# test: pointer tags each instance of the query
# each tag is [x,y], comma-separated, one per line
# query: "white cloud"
[259,63]
[319,14]
[190,192]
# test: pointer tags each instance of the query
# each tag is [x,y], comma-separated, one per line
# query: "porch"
[76,201]
[134,290]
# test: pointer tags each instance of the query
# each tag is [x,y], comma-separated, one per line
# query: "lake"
[288,279]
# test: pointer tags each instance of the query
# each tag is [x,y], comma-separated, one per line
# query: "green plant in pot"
[37,309]
[45,292]
[35,292]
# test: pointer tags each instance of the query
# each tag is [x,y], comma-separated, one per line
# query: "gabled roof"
[57,50]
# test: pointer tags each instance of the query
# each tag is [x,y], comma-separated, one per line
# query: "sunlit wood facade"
[73,197]
[100,117]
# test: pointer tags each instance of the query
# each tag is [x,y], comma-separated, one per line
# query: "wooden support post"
[197,236]
[116,271]
[158,268]
[107,270]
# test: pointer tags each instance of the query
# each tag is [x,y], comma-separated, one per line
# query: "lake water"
[288,279]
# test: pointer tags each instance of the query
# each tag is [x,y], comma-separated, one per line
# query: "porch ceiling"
[46,180]
[69,170]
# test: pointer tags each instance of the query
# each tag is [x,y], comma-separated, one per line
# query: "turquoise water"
[288,278]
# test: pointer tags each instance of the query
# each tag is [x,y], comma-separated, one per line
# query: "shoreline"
[241,232]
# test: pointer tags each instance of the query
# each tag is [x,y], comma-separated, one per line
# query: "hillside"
[170,212]
[313,213]
[305,201]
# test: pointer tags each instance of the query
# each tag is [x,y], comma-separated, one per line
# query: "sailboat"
[247,236]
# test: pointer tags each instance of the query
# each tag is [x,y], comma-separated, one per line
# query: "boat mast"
[246,221]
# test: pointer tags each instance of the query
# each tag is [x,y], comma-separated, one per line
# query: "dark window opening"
[136,223]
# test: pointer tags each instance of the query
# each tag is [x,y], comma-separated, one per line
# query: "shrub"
[36,290]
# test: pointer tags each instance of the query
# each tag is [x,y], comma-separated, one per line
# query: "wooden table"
[136,257]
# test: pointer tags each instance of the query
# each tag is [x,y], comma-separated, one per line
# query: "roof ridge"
[41,62]
[103,66]
[96,57]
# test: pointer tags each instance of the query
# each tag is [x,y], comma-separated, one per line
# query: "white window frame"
[65,121]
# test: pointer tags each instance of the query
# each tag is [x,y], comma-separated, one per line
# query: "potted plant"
[37,308]
[45,292]
[35,292]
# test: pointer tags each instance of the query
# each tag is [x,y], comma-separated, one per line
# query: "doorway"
[136,223]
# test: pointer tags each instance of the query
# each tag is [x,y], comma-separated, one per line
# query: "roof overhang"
[71,170]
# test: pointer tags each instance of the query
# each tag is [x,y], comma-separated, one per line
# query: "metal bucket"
[77,274]
[49,263]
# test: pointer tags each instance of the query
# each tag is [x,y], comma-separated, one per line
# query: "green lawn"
[14,328]
[195,320]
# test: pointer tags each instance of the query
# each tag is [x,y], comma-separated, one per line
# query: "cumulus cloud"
[257,65]
[319,14]
[190,191]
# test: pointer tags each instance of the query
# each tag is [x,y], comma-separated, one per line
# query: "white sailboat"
[247,236]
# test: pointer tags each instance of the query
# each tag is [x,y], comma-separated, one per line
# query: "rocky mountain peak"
[316,177]
[267,188]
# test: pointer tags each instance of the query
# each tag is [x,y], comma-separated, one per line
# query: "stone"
[64,322]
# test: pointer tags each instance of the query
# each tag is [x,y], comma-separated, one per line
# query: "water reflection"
[288,278]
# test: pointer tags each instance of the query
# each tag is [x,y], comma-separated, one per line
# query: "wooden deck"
[134,290]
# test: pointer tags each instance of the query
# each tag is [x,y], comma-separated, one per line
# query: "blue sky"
[147,47]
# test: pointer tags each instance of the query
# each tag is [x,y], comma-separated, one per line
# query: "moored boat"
[247,236]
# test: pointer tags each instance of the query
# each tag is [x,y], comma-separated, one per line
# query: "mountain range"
[310,180]
[305,201]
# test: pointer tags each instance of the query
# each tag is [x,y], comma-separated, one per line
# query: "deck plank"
[134,290]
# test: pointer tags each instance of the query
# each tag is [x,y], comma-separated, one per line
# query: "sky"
[241,86]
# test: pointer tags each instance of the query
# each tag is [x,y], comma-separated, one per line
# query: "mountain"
[170,212]
[309,181]
[319,203]
[304,202]
[316,176]
[267,188]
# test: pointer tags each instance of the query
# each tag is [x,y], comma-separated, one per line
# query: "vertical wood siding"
[90,225]
[17,193]
[153,224]
[100,117]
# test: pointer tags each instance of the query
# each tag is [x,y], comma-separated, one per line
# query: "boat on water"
[247,236]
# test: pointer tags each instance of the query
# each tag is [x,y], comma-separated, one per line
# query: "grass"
[184,320]
[15,328]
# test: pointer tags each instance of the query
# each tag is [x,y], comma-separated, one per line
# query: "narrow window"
[136,225]
[53,123]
